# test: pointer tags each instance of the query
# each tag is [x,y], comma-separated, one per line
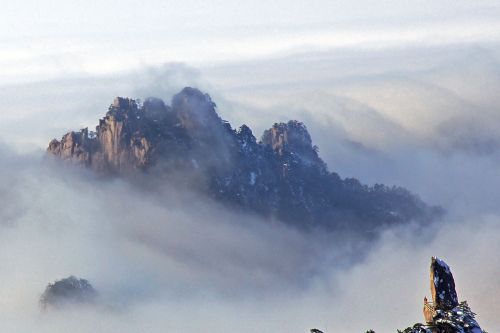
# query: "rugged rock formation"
[74,146]
[443,291]
[445,314]
[281,176]
[67,291]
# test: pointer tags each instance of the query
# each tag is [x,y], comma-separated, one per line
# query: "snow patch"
[253,178]
[444,265]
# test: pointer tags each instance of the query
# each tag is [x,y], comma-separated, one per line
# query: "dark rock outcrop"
[315,330]
[282,176]
[445,314]
[443,291]
[68,291]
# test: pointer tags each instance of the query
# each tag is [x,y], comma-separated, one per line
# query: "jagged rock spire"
[444,295]
[444,314]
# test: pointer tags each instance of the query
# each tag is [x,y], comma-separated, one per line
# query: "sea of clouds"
[426,118]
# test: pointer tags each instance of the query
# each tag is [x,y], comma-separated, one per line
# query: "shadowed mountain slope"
[281,176]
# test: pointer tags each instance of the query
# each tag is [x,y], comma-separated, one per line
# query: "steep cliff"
[281,176]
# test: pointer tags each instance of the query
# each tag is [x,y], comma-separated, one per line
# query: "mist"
[170,260]
[180,262]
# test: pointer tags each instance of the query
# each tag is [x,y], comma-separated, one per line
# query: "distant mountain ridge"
[280,176]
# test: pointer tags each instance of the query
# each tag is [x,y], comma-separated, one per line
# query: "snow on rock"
[443,290]
[460,319]
[445,315]
[253,178]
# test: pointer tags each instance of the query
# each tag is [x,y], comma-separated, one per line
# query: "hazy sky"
[44,39]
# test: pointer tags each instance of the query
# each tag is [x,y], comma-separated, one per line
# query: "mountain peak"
[124,103]
[292,135]
[444,314]
[195,109]
[281,177]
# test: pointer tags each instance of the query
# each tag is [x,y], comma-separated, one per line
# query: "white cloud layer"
[401,94]
[54,39]
[174,262]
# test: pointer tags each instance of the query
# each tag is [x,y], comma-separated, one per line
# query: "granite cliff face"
[280,176]
[119,143]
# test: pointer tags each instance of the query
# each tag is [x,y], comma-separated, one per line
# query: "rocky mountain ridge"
[281,176]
